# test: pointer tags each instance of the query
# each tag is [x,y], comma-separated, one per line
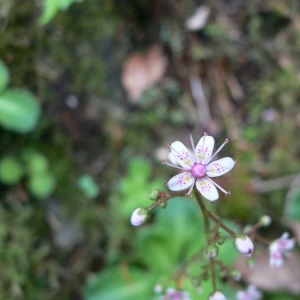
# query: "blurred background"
[91,92]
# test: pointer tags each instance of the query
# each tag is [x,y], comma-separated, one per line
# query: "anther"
[163,162]
[226,140]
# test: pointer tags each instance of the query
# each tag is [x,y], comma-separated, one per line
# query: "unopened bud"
[163,204]
[140,216]
[220,240]
[154,195]
[265,221]
[212,251]
[217,296]
[244,245]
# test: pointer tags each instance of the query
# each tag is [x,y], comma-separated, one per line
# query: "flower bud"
[163,204]
[212,251]
[221,240]
[244,245]
[265,221]
[217,296]
[154,195]
[140,216]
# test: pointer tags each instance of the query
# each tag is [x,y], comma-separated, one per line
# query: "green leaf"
[42,185]
[11,170]
[4,76]
[36,163]
[19,110]
[88,186]
[121,283]
[52,7]
[174,237]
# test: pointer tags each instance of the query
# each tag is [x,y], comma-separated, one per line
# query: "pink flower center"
[198,170]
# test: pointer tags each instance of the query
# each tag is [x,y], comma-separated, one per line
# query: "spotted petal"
[182,155]
[207,189]
[204,149]
[220,167]
[181,181]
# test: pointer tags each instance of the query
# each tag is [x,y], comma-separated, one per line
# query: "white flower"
[198,168]
[244,245]
[172,294]
[279,248]
[140,216]
[217,296]
[252,293]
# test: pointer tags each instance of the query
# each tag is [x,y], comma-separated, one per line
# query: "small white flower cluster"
[252,293]
[279,248]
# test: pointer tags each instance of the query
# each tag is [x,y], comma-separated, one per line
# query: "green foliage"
[52,7]
[172,242]
[4,76]
[135,187]
[19,110]
[122,283]
[292,206]
[11,171]
[42,185]
[88,186]
[168,240]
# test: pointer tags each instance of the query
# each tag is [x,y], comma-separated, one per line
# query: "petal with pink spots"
[181,181]
[204,149]
[207,189]
[220,167]
[182,155]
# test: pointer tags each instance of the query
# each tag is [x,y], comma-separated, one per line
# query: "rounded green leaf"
[11,170]
[19,110]
[36,163]
[4,76]
[42,185]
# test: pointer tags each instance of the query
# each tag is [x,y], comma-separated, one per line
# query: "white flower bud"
[217,296]
[244,245]
[140,216]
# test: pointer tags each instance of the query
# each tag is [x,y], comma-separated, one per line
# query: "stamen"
[220,148]
[190,190]
[224,191]
[172,165]
[193,145]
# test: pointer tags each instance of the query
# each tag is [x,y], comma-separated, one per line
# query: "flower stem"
[221,224]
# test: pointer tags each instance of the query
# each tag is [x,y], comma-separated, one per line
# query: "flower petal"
[204,149]
[207,189]
[182,155]
[181,181]
[220,167]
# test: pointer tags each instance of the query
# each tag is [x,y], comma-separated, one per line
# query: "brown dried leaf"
[142,71]
[285,278]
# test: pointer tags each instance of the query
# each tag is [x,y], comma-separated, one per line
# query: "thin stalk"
[221,224]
